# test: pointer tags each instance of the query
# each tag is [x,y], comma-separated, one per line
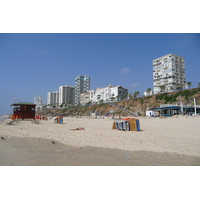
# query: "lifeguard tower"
[23,110]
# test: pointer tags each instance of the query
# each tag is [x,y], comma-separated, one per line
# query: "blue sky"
[33,64]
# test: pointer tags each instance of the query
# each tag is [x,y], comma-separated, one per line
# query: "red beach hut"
[23,110]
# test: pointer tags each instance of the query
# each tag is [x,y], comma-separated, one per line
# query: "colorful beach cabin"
[23,110]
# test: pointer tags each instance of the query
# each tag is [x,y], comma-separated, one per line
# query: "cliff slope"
[139,105]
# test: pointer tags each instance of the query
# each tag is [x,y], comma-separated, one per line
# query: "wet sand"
[40,152]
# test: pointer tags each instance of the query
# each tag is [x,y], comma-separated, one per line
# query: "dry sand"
[171,141]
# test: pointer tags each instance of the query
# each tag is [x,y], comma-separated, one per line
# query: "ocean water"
[3,117]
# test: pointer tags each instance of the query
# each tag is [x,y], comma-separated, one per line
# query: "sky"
[37,63]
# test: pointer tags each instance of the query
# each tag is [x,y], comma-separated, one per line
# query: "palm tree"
[88,103]
[148,91]
[136,94]
[126,95]
[198,84]
[172,88]
[112,99]
[189,84]
[179,88]
[101,101]
[117,97]
[162,88]
[130,96]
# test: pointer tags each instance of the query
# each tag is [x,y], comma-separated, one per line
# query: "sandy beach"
[170,141]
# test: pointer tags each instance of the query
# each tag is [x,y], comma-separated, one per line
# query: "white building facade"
[39,103]
[108,94]
[53,99]
[82,84]
[148,94]
[169,71]
[66,95]
[84,98]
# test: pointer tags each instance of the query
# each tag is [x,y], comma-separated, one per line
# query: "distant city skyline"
[34,64]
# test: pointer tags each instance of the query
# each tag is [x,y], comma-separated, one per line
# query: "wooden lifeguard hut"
[23,110]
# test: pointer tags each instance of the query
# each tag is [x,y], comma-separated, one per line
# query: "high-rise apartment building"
[53,99]
[66,95]
[39,103]
[82,84]
[168,73]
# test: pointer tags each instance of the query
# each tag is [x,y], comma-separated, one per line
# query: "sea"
[4,117]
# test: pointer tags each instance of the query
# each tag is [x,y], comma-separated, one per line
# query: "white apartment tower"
[39,103]
[66,95]
[82,84]
[169,71]
[53,98]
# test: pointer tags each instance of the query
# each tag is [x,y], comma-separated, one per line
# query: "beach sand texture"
[178,135]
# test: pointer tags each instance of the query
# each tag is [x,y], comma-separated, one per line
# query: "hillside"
[139,105]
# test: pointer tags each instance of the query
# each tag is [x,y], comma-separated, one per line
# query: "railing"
[124,109]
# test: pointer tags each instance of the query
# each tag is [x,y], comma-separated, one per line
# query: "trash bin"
[137,124]
[61,120]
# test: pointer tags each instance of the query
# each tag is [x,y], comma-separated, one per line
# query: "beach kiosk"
[23,110]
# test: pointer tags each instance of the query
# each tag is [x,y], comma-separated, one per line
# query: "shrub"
[141,100]
[102,104]
[64,110]
[172,98]
[161,96]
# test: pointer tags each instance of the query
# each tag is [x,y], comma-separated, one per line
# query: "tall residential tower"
[169,72]
[82,84]
[53,99]
[66,95]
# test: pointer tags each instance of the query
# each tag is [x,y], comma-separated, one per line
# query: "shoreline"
[18,151]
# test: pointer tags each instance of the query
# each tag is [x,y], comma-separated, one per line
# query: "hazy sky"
[34,64]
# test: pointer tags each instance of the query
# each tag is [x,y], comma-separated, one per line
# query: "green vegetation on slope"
[139,105]
[170,98]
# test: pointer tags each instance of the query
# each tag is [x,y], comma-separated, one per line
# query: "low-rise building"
[148,94]
[84,98]
[108,94]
